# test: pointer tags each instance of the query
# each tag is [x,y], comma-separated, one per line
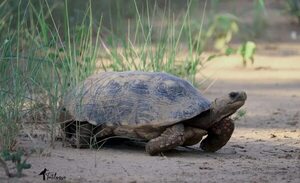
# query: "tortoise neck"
[219,112]
[213,115]
[203,120]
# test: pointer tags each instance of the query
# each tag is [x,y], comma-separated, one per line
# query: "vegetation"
[45,49]
[293,7]
[239,114]
[38,63]
[16,159]
[259,18]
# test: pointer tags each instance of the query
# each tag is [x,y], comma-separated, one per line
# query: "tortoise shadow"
[139,147]
[234,150]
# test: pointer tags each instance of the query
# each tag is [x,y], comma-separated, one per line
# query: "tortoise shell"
[134,98]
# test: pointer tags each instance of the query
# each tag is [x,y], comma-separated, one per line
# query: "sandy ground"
[265,146]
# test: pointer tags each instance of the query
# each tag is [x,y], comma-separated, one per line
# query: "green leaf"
[6,155]
[234,27]
[261,4]
[230,51]
[212,57]
[249,50]
[25,165]
[220,43]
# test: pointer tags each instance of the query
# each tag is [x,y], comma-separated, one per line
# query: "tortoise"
[160,108]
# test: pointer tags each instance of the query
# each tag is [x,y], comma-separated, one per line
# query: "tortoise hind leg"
[169,139]
[218,135]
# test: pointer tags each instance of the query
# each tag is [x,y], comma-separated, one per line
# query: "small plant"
[240,114]
[16,159]
[247,51]
[222,29]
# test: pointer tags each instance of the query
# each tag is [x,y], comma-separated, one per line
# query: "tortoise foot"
[218,135]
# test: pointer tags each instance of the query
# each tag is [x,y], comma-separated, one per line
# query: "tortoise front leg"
[169,139]
[193,135]
[218,135]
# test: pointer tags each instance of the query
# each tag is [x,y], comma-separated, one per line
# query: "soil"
[265,146]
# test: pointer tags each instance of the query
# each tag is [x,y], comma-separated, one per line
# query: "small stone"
[238,146]
[292,123]
[293,35]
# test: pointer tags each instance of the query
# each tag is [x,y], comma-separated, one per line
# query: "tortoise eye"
[233,94]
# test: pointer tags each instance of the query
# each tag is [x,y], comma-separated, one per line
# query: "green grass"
[259,18]
[41,56]
[39,63]
[144,51]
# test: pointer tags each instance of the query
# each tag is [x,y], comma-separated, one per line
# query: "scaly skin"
[169,139]
[174,136]
[218,135]
[193,135]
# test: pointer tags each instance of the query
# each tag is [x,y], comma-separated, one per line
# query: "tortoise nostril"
[233,94]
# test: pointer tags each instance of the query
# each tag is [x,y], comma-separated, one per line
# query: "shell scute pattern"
[113,87]
[170,91]
[139,87]
[146,113]
[135,98]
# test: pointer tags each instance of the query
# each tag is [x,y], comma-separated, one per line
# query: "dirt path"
[265,146]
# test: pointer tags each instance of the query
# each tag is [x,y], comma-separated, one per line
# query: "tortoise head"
[227,105]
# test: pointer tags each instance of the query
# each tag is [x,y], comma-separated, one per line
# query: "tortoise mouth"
[237,103]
